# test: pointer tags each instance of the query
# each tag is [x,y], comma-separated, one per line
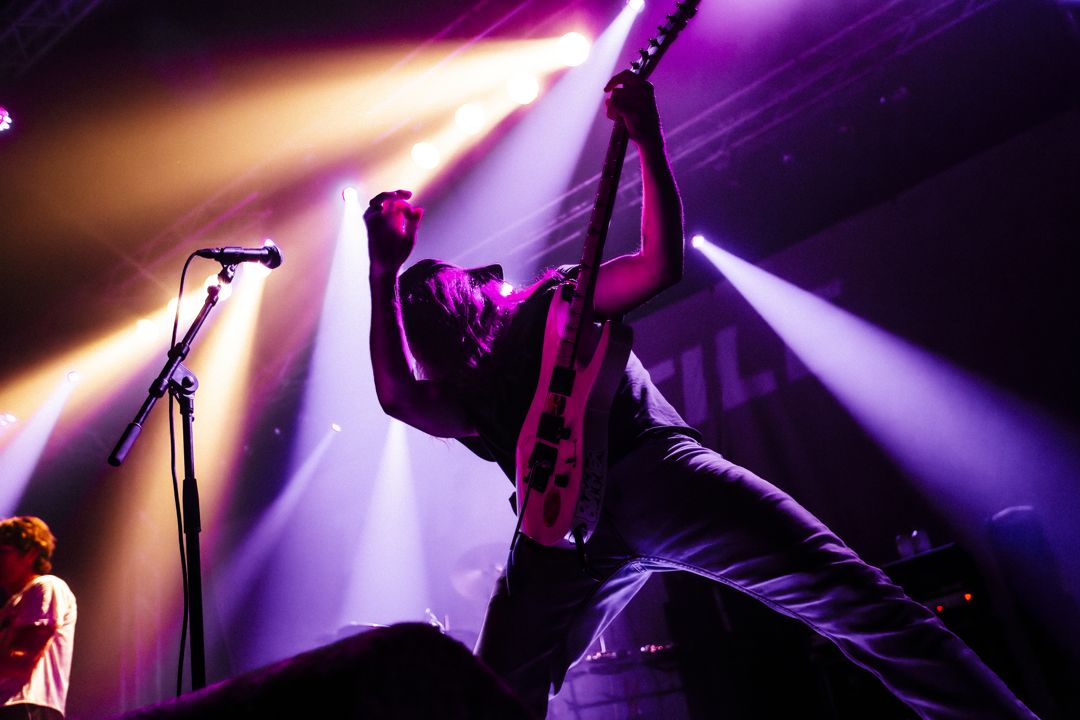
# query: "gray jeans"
[672,504]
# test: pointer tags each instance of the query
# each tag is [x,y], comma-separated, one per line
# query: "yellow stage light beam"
[139,546]
[138,550]
[104,365]
[274,117]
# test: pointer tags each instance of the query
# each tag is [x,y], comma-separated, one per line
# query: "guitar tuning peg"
[636,66]
[644,53]
[653,42]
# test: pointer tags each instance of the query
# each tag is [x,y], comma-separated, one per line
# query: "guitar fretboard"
[581,305]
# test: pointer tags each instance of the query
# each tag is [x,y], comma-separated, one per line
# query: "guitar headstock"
[650,55]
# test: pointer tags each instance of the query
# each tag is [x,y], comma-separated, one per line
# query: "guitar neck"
[580,309]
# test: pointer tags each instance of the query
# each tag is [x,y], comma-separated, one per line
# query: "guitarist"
[670,504]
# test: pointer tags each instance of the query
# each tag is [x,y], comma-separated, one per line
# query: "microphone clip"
[228,272]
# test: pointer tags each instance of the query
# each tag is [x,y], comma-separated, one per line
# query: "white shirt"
[49,602]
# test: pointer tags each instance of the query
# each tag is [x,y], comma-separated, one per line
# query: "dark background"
[925,153]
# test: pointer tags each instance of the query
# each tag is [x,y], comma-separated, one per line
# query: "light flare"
[471,118]
[573,49]
[523,88]
[426,155]
[969,446]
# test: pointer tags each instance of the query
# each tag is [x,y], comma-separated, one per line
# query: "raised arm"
[392,224]
[627,281]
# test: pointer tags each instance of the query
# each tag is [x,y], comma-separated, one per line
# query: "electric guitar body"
[562,447]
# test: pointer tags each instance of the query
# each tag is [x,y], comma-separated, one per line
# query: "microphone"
[269,255]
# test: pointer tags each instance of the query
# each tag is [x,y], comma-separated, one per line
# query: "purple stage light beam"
[21,453]
[974,449]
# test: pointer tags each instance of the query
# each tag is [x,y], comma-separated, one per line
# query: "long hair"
[453,318]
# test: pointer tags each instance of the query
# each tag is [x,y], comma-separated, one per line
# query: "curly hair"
[27,532]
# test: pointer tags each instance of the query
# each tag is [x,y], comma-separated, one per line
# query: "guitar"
[561,453]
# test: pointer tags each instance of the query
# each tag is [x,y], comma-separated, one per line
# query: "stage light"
[145,328]
[966,445]
[350,195]
[5,119]
[637,5]
[523,88]
[697,242]
[425,155]
[573,49]
[188,308]
[7,419]
[225,289]
[471,118]
[21,456]
[506,289]
[335,427]
[73,376]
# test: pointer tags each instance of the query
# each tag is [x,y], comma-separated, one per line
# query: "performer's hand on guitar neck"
[633,101]
[626,281]
[391,227]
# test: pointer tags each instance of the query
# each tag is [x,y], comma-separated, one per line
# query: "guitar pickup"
[537,479]
[556,404]
[562,380]
[541,465]
[551,428]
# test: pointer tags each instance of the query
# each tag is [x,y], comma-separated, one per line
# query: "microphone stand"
[182,384]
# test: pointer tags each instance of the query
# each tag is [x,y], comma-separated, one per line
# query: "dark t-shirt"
[513,370]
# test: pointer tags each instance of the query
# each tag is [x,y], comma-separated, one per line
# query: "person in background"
[37,623]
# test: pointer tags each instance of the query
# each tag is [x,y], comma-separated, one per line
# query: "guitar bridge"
[556,404]
[551,428]
[541,465]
